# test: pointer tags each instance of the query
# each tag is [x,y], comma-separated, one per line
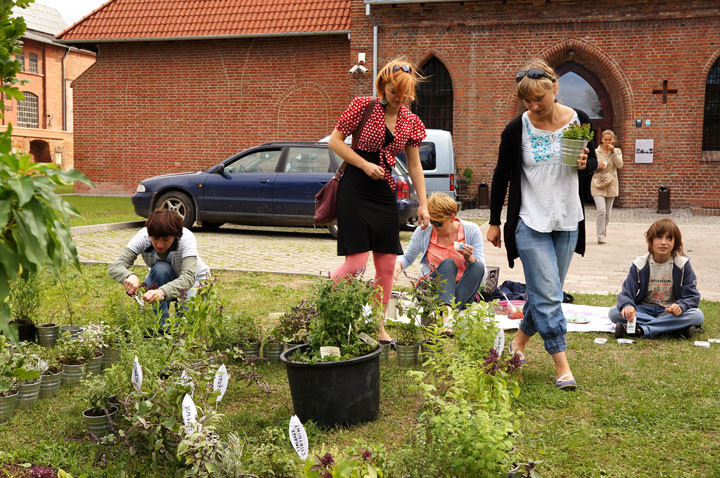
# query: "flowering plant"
[352,462]
[94,336]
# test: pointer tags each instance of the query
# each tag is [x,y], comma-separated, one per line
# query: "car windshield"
[427,156]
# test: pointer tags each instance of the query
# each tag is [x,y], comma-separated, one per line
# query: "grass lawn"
[646,409]
[101,209]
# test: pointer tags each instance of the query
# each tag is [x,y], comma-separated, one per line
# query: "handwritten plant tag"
[189,412]
[329,351]
[186,380]
[137,376]
[221,381]
[599,340]
[367,339]
[276,315]
[625,341]
[714,341]
[700,343]
[500,342]
[298,437]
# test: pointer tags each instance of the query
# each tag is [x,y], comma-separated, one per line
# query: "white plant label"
[500,342]
[188,411]
[276,315]
[298,437]
[714,341]
[221,381]
[700,343]
[136,377]
[367,339]
[599,340]
[625,341]
[186,380]
[329,351]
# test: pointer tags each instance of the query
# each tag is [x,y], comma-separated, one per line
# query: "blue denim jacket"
[421,240]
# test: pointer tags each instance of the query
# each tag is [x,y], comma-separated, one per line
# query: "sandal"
[522,355]
[566,384]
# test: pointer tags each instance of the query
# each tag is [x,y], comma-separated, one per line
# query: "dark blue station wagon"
[273,184]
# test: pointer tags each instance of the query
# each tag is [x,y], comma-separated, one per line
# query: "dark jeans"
[160,274]
[462,292]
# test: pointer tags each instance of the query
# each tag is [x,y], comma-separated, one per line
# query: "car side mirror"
[221,171]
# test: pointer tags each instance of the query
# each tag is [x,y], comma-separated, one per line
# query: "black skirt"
[367,211]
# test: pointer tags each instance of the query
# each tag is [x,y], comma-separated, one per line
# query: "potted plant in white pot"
[573,142]
[24,303]
[335,378]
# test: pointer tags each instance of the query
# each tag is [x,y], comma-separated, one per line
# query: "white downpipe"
[375,61]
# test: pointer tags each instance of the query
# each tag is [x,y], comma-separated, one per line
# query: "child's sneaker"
[620,331]
[689,332]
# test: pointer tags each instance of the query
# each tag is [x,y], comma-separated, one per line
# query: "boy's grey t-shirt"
[187,247]
[660,287]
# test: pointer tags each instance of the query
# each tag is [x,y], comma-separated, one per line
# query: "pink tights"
[384,270]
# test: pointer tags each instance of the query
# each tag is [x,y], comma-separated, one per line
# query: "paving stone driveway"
[313,251]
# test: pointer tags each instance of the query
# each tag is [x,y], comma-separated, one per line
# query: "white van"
[438,161]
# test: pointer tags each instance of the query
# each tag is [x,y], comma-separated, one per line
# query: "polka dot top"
[409,131]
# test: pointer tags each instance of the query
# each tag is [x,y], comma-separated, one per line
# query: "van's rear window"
[427,156]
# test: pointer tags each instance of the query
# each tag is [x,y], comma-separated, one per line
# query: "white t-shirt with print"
[660,287]
[550,198]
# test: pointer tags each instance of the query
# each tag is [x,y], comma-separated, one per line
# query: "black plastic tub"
[335,393]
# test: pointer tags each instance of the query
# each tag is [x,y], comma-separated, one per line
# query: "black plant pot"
[335,393]
[26,332]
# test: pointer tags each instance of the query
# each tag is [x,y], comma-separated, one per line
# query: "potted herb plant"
[93,337]
[247,333]
[12,372]
[29,390]
[335,378]
[273,346]
[98,417]
[573,141]
[295,322]
[408,343]
[24,303]
[73,354]
[52,376]
[111,345]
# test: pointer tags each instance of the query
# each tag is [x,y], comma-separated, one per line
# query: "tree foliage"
[34,220]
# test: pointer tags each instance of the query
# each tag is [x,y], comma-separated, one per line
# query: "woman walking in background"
[367,212]
[604,186]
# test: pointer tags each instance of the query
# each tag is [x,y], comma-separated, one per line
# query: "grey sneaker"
[690,332]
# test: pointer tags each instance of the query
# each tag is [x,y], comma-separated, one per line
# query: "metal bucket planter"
[47,334]
[251,350]
[335,393]
[273,350]
[385,354]
[50,384]
[72,375]
[7,407]
[407,355]
[110,356]
[97,420]
[94,365]
[75,330]
[28,393]
[570,150]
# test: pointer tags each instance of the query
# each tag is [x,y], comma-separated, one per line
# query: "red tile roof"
[119,20]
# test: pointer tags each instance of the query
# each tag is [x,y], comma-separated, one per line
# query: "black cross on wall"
[665,91]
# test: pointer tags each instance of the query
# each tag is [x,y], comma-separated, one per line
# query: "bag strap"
[356,134]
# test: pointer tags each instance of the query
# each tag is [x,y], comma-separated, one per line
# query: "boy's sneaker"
[620,331]
[689,332]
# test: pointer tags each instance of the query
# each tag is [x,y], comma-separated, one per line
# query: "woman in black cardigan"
[545,217]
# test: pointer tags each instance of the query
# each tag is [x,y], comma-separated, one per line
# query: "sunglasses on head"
[533,74]
[404,68]
[436,223]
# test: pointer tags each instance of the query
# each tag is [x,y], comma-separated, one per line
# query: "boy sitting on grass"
[660,291]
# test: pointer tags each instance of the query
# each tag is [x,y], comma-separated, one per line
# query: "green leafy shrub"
[579,131]
[24,300]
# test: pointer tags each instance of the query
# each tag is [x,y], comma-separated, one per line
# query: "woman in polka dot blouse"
[366,203]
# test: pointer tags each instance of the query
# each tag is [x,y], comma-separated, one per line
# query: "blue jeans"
[546,259]
[648,318]
[462,292]
[160,274]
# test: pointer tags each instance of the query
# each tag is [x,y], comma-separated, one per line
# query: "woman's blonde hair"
[404,81]
[611,133]
[529,88]
[441,206]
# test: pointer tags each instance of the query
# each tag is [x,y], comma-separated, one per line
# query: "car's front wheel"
[181,203]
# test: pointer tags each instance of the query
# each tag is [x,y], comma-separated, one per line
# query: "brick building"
[179,85]
[43,122]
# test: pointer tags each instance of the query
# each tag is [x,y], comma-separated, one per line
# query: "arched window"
[579,88]
[434,103]
[27,112]
[711,121]
[32,63]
